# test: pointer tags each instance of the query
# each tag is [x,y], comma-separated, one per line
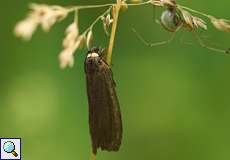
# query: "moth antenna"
[104,53]
[155,15]
[155,43]
[202,43]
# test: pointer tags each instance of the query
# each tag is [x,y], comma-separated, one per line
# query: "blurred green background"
[175,99]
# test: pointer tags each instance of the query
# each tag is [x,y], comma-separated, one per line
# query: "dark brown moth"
[105,122]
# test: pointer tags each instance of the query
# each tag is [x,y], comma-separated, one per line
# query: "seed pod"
[170,20]
[107,21]
[104,111]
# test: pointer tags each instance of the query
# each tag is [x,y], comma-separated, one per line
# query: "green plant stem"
[71,9]
[116,11]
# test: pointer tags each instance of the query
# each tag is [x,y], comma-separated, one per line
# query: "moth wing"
[104,110]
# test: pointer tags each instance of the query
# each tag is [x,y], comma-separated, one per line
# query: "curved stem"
[76,16]
[139,4]
[194,11]
[96,20]
[71,9]
[89,7]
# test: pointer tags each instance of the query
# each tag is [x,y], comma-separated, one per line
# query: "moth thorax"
[171,20]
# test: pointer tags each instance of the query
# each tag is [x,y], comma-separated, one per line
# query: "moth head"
[94,59]
[94,54]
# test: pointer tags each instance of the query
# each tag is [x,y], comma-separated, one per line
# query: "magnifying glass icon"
[9,147]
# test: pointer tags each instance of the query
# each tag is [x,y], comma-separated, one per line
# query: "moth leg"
[155,15]
[202,44]
[156,20]
[155,43]
[182,39]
